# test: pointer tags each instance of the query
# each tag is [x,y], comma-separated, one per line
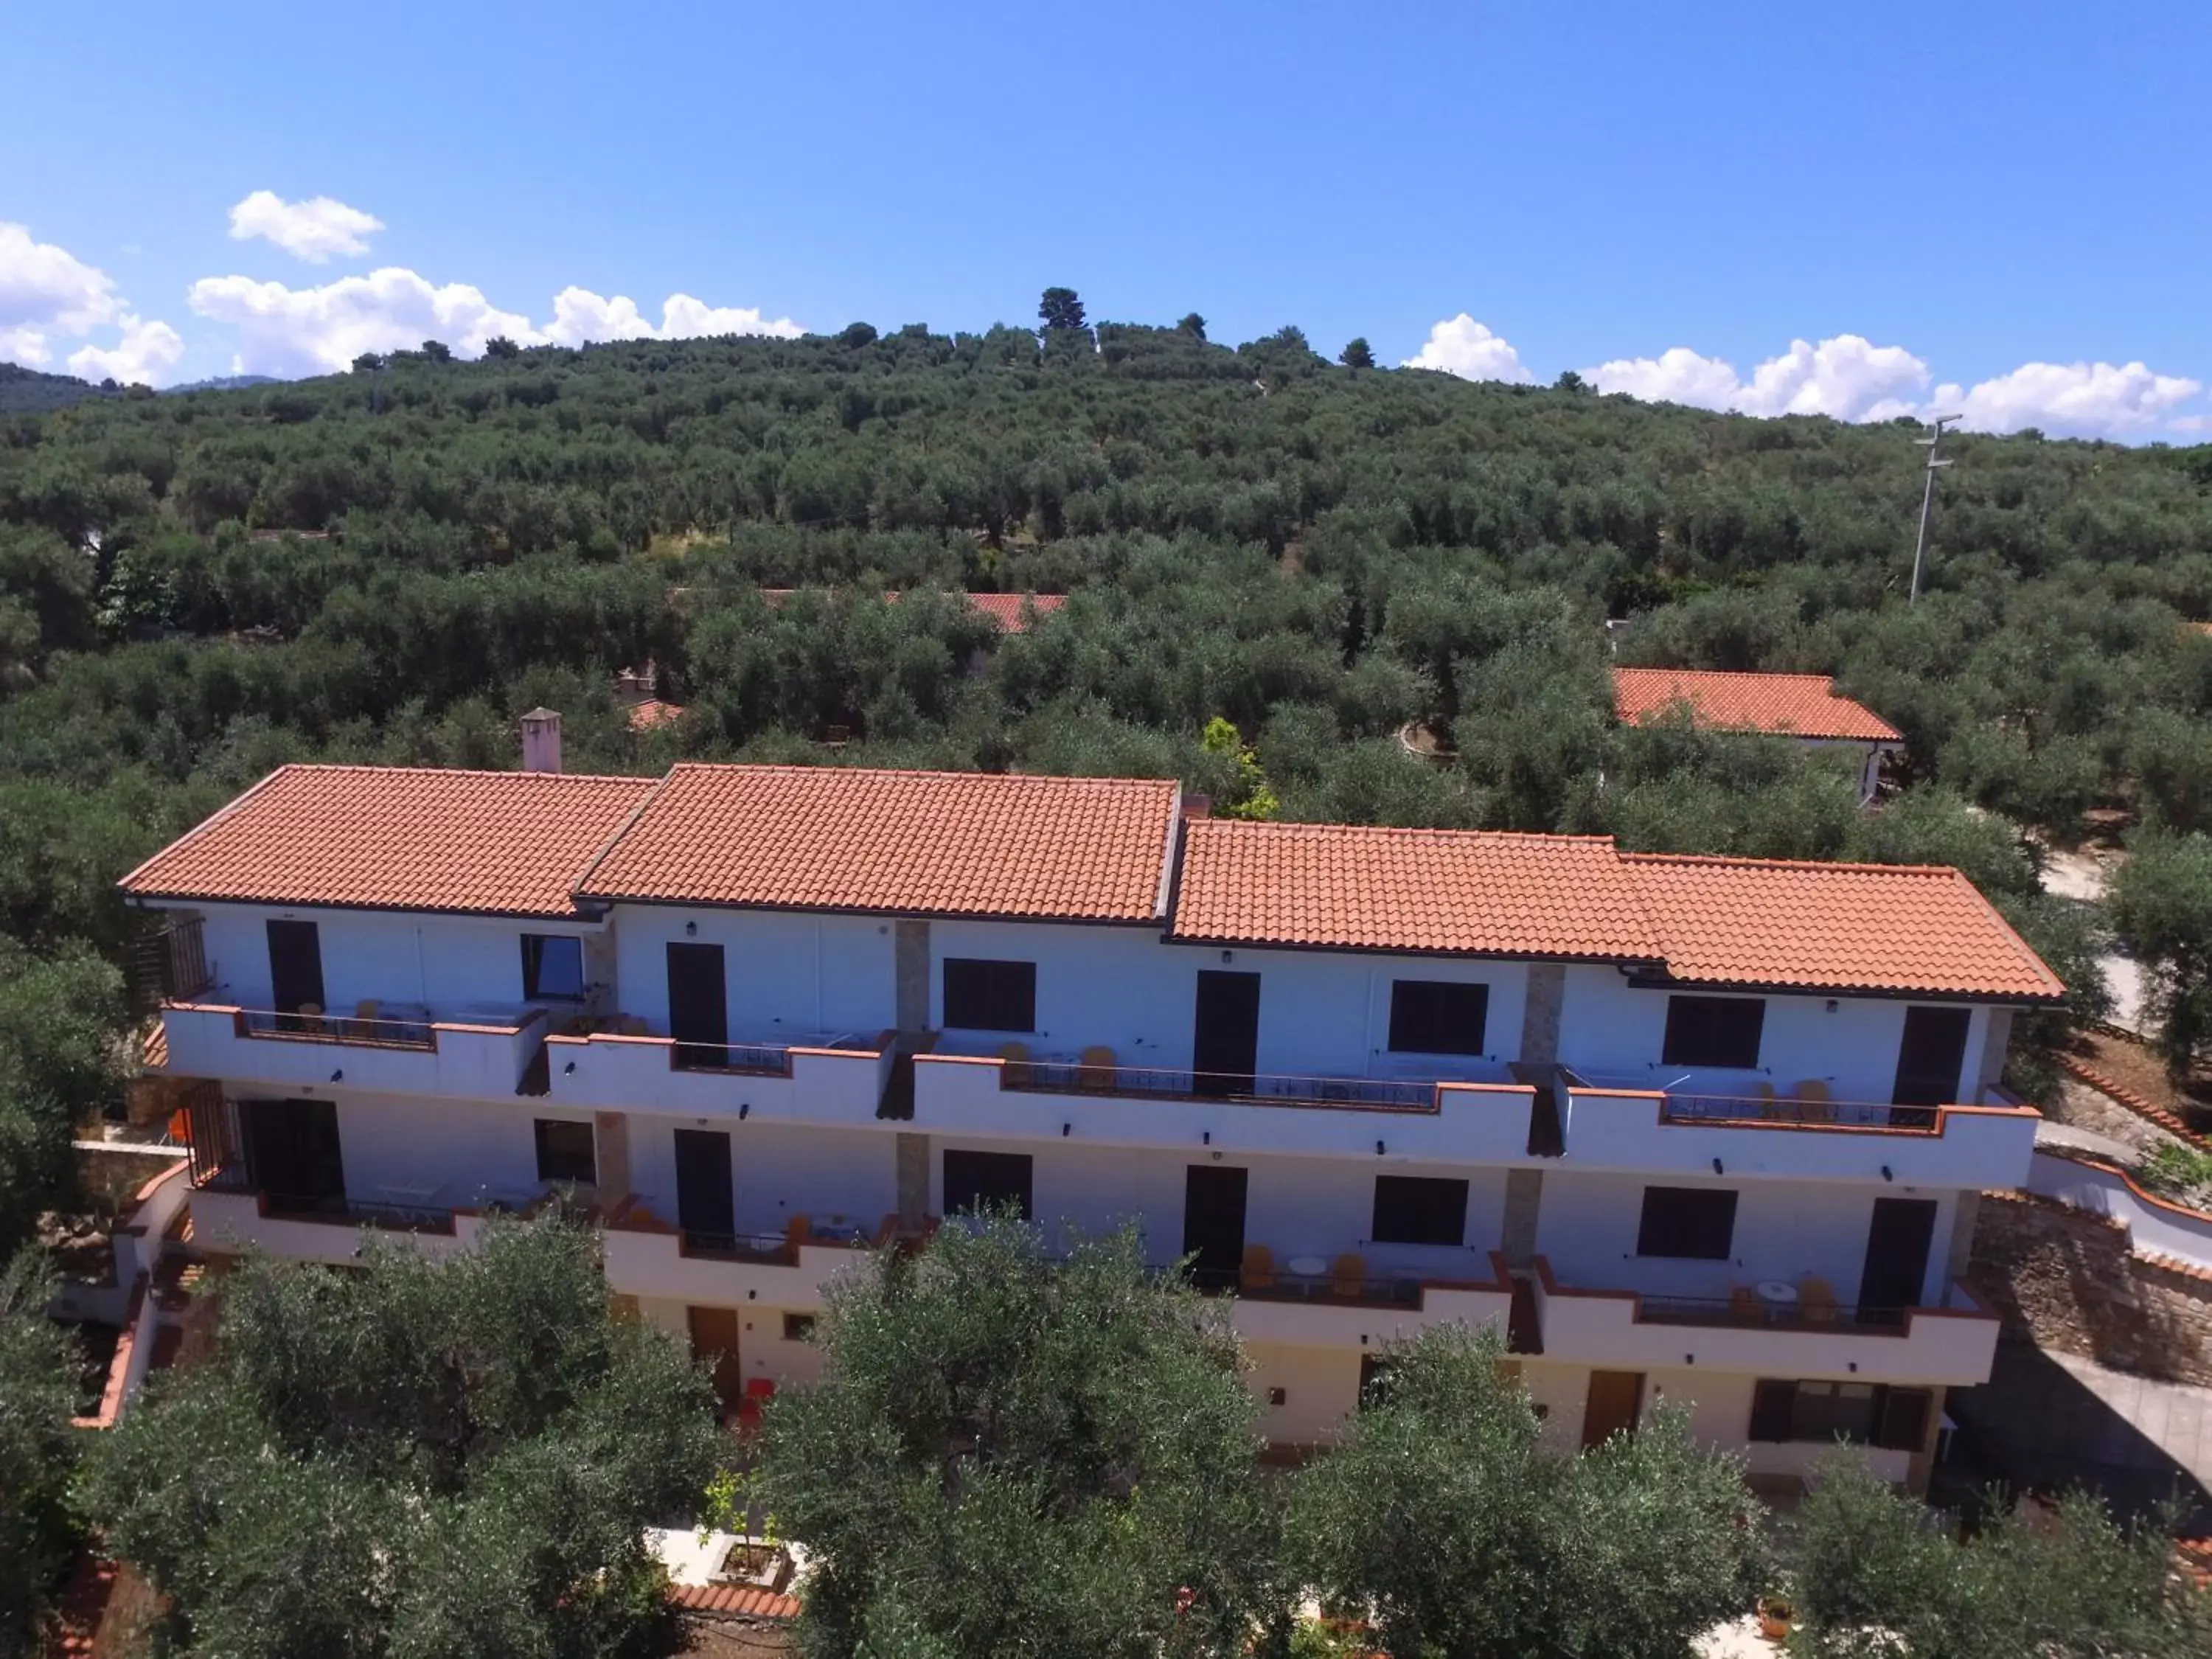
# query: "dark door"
[1225,1043]
[293,1155]
[704,1204]
[1213,1222]
[296,970]
[1929,1058]
[988,1181]
[1896,1258]
[1616,1399]
[714,1343]
[698,1004]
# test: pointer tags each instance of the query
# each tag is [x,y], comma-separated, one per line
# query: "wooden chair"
[1017,1057]
[311,1017]
[1346,1276]
[1095,1069]
[1815,1104]
[1258,1270]
[797,1231]
[1816,1300]
[1744,1305]
[364,1017]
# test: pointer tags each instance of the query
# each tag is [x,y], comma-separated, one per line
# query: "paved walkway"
[2052,1420]
[2047,1134]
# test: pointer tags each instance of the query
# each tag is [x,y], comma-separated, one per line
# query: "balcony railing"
[1682,1107]
[1262,1089]
[374,1033]
[339,1212]
[1757,1316]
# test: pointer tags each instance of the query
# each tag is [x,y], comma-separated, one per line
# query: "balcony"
[1095,1100]
[476,1053]
[828,1079]
[228,1216]
[1352,1307]
[1729,1124]
[648,1256]
[1624,1330]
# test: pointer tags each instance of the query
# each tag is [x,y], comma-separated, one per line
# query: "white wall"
[780,1171]
[469,1151]
[1294,1206]
[1608,1026]
[446,961]
[1321,1013]
[786,974]
[1587,1225]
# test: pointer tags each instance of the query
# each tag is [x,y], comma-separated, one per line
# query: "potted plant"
[1776,1614]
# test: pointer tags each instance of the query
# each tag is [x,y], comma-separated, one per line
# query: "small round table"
[1778,1294]
[1307,1266]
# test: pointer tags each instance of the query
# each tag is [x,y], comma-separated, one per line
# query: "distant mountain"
[29,392]
[222,383]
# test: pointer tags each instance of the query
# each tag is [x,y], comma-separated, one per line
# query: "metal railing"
[773,1059]
[1761,1315]
[1264,1088]
[1687,1108]
[774,1249]
[337,1029]
[351,1212]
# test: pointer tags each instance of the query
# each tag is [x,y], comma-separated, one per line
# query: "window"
[1419,1210]
[1374,1378]
[989,996]
[1865,1413]
[1698,1222]
[798,1328]
[978,1180]
[552,967]
[564,1151]
[1720,1031]
[1437,1016]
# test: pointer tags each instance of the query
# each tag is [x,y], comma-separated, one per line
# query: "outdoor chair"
[1017,1057]
[1258,1270]
[1095,1069]
[1816,1297]
[1347,1276]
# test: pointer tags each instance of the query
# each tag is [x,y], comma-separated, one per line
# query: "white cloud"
[47,291]
[2096,400]
[580,315]
[1460,345]
[319,330]
[1847,376]
[147,354]
[311,230]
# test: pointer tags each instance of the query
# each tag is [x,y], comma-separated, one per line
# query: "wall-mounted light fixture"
[1378,1149]
[1228,956]
[339,1076]
[1065,1129]
[744,1110]
[1716,1167]
[1886,1174]
[1832,1004]
[569,1070]
[1206,1137]
[691,929]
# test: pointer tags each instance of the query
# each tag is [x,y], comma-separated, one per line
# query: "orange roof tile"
[1796,705]
[644,716]
[938,843]
[1004,609]
[1409,889]
[396,838]
[745,1600]
[1834,927]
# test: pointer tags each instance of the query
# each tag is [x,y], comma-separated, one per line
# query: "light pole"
[1928,498]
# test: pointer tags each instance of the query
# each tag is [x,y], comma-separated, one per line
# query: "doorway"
[1898,1241]
[1929,1060]
[296,972]
[1616,1400]
[714,1343]
[1213,1223]
[698,1006]
[1225,1039]
[293,1155]
[704,1202]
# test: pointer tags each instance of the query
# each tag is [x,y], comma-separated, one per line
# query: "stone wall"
[2067,1277]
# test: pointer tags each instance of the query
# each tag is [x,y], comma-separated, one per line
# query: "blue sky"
[1926,196]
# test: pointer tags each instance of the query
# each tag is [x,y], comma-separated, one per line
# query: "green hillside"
[1318,554]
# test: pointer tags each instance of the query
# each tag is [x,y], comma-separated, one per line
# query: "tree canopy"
[38,1450]
[419,1457]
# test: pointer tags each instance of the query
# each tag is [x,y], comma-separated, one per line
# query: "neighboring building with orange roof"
[1806,707]
[1708,1128]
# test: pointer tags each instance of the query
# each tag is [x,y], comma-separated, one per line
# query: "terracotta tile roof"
[1003,608]
[1799,705]
[744,1601]
[935,843]
[396,838]
[1409,889]
[644,716]
[1834,926]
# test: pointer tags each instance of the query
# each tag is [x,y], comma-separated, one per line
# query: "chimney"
[540,741]
[1197,805]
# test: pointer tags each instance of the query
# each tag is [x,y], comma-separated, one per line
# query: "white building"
[1700,1129]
